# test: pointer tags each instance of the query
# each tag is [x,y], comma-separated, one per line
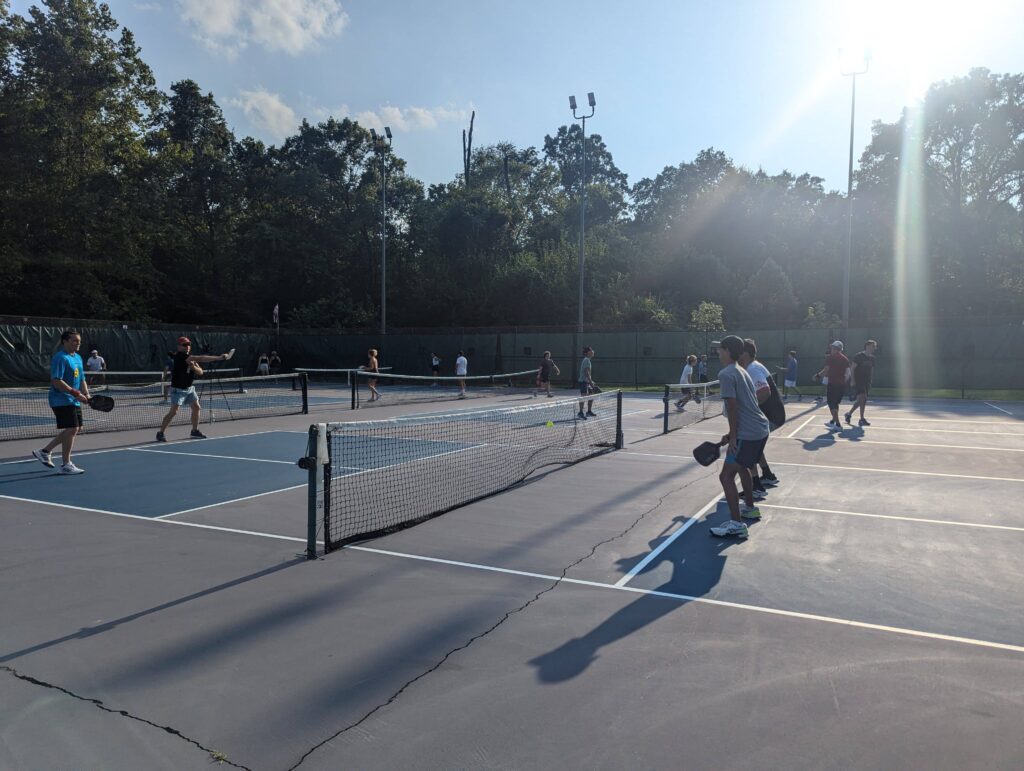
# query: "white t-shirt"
[96,364]
[461,365]
[759,374]
[687,375]
[435,362]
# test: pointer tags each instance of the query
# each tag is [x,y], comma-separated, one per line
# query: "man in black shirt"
[184,369]
[863,366]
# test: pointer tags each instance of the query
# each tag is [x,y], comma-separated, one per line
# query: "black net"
[331,378]
[689,404]
[384,475]
[25,412]
[402,389]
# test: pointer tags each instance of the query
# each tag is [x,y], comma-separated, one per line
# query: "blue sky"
[759,80]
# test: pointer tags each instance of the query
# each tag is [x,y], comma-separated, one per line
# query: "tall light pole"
[378,143]
[859,67]
[583,192]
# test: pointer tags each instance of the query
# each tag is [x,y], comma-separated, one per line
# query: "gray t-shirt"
[585,369]
[750,421]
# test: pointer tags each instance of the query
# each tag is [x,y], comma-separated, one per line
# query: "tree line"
[120,201]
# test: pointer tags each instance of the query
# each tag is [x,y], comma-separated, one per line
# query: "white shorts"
[789,383]
[264,369]
[182,396]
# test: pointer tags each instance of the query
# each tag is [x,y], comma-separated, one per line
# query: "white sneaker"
[71,468]
[833,426]
[757,495]
[730,528]
[43,457]
[749,512]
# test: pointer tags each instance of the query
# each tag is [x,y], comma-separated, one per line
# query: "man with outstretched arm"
[184,369]
[748,434]
[67,391]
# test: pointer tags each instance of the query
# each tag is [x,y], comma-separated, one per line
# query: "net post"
[664,415]
[304,385]
[620,439]
[354,385]
[313,472]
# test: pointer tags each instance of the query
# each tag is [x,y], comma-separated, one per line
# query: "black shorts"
[544,378]
[748,452]
[68,416]
[834,394]
[861,388]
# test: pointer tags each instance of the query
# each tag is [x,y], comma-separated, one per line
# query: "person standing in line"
[748,434]
[182,392]
[275,363]
[686,378]
[759,376]
[835,369]
[790,377]
[67,390]
[95,366]
[372,366]
[544,374]
[263,365]
[461,370]
[863,370]
[702,368]
[435,367]
[586,384]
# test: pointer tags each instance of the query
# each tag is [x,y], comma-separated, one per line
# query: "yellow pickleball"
[550,424]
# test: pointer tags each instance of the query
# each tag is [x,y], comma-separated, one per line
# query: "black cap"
[733,344]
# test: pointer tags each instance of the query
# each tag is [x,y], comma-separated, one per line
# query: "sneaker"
[749,512]
[758,493]
[160,436]
[71,468]
[863,422]
[580,415]
[43,457]
[848,417]
[591,414]
[833,426]
[769,480]
[731,528]
[197,434]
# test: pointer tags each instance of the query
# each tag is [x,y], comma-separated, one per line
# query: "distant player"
[435,366]
[184,369]
[461,370]
[544,374]
[686,378]
[863,369]
[585,381]
[748,434]
[373,367]
[790,376]
[835,369]
[67,389]
[95,366]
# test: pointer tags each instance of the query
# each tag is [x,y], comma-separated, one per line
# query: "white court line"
[999,408]
[206,455]
[763,505]
[667,542]
[916,430]
[233,500]
[800,427]
[896,471]
[916,444]
[708,601]
[875,417]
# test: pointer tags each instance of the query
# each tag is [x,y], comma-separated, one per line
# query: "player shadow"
[694,564]
[28,474]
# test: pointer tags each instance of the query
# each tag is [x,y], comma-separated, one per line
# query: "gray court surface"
[158,612]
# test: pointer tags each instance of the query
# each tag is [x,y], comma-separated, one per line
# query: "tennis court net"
[331,378]
[369,478]
[402,389]
[686,404]
[98,381]
[25,412]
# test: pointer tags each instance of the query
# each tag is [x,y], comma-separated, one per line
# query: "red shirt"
[837,364]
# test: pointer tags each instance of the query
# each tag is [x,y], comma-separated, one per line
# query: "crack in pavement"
[217,756]
[498,623]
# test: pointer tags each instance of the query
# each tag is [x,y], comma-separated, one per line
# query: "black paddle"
[707,453]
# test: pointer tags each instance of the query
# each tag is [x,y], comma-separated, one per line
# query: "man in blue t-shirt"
[67,391]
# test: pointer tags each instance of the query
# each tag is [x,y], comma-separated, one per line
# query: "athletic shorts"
[834,394]
[68,416]
[861,388]
[184,396]
[544,378]
[748,452]
[789,383]
[584,388]
[264,369]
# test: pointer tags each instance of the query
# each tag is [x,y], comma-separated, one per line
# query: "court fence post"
[355,389]
[313,472]
[664,415]
[304,383]
[620,440]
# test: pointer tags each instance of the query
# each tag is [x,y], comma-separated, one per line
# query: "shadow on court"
[694,565]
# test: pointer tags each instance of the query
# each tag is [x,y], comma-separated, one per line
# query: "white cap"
[838,344]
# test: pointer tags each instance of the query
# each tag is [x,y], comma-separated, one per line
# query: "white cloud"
[291,26]
[410,118]
[268,112]
[147,7]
